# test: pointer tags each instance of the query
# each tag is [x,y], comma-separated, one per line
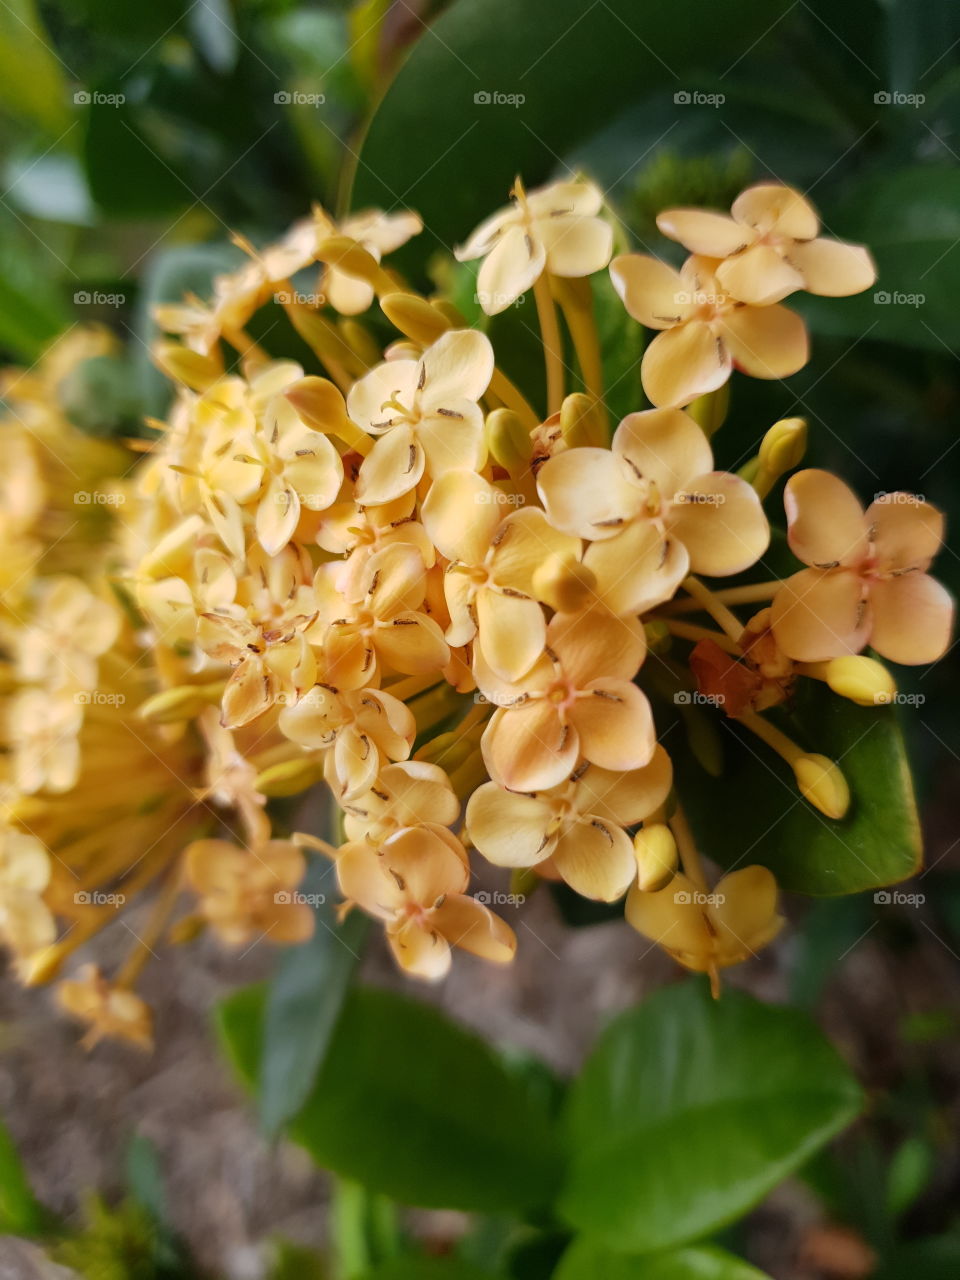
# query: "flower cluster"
[386,573]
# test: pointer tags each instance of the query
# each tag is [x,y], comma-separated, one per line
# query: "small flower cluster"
[388,573]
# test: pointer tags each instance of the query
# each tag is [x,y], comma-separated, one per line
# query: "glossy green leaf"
[753,813]
[586,1261]
[690,1110]
[413,1106]
[304,1001]
[32,83]
[443,143]
[20,1213]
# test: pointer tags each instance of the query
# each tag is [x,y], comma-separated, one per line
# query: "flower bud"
[319,404]
[289,777]
[350,256]
[564,584]
[822,783]
[414,316]
[171,706]
[659,638]
[781,449]
[709,411]
[360,341]
[656,854]
[863,680]
[508,441]
[194,370]
[581,421]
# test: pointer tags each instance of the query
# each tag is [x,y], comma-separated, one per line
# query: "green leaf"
[555,53]
[32,86]
[585,1261]
[428,1269]
[20,1212]
[936,1258]
[690,1110]
[753,812]
[303,1003]
[411,1105]
[127,175]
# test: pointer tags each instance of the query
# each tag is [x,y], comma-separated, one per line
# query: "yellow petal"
[759,276]
[367,399]
[364,879]
[595,858]
[512,632]
[744,913]
[684,363]
[713,234]
[395,580]
[345,293]
[460,514]
[557,198]
[615,725]
[528,748]
[629,797]
[663,445]
[250,691]
[576,246]
[278,514]
[825,521]
[453,438]
[770,206]
[392,468]
[817,615]
[637,569]
[906,532]
[510,830]
[720,520]
[511,267]
[672,918]
[413,644]
[523,542]
[766,342]
[652,292]
[424,953]
[912,618]
[459,365]
[595,644]
[468,924]
[834,269]
[589,493]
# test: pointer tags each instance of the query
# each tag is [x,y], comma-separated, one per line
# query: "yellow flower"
[705,329]
[867,582]
[554,228]
[576,700]
[26,922]
[771,247]
[70,629]
[44,727]
[654,509]
[424,413]
[358,533]
[576,827]
[404,795]
[378,233]
[706,931]
[493,557]
[112,1011]
[248,892]
[359,731]
[415,882]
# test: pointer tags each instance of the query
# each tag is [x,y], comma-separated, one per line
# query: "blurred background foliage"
[135,137]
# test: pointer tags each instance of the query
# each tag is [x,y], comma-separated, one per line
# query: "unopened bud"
[175,550]
[863,680]
[289,777]
[319,404]
[360,341]
[508,441]
[781,449]
[709,411]
[564,584]
[414,316]
[656,854]
[658,635]
[823,784]
[582,421]
[192,368]
[350,256]
[171,706]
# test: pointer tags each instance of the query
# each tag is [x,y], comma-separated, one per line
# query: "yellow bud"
[319,404]
[822,783]
[564,583]
[41,966]
[175,550]
[863,680]
[582,422]
[289,777]
[414,316]
[360,341]
[781,449]
[455,319]
[350,256]
[183,703]
[656,854]
[658,635]
[523,881]
[508,441]
[194,370]
[710,410]
[321,336]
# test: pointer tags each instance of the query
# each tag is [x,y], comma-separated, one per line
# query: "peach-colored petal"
[663,445]
[364,879]
[589,492]
[468,924]
[638,569]
[250,691]
[425,864]
[512,632]
[458,366]
[615,725]
[720,520]
[684,363]
[819,614]
[460,514]
[425,953]
[912,618]
[412,643]
[652,292]
[713,234]
[594,644]
[770,206]
[528,747]
[825,521]
[595,858]
[392,468]
[906,533]
[576,246]
[629,797]
[395,579]
[766,342]
[832,268]
[759,276]
[356,762]
[510,830]
[511,267]
[523,542]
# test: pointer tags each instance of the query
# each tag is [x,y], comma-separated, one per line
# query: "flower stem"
[576,303]
[752,593]
[687,848]
[552,343]
[687,631]
[771,735]
[717,610]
